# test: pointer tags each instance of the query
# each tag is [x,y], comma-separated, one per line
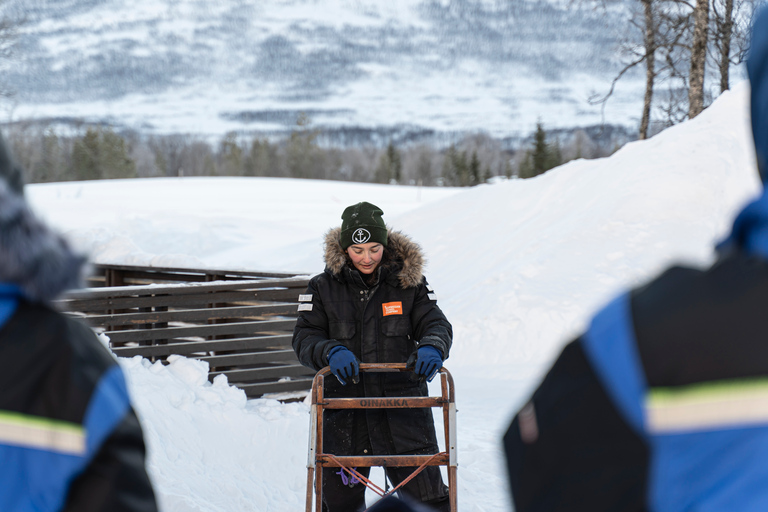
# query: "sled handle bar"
[388,368]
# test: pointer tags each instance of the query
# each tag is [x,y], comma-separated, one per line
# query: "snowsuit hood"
[402,257]
[757,68]
[32,257]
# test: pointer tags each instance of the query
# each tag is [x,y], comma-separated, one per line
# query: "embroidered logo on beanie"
[361,236]
[362,223]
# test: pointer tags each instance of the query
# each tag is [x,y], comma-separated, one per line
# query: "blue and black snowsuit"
[662,404]
[69,438]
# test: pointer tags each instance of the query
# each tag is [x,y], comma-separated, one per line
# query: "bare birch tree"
[647,25]
[723,32]
[731,20]
[698,58]
[650,66]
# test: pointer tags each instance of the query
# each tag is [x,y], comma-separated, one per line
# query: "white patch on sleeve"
[431,296]
[429,288]
[305,297]
[305,307]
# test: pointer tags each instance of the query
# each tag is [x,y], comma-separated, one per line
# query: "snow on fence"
[240,323]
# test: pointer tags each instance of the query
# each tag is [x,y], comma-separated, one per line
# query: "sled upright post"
[318,459]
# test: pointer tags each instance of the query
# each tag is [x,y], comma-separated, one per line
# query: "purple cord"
[350,481]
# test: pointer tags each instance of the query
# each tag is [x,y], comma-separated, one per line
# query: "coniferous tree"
[381,175]
[541,153]
[555,155]
[525,170]
[260,159]
[474,169]
[460,168]
[101,154]
[230,156]
[161,164]
[390,168]
[424,168]
[85,157]
[448,177]
[301,152]
[396,164]
[113,157]
[541,158]
[51,165]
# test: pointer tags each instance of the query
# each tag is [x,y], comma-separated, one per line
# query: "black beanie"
[362,223]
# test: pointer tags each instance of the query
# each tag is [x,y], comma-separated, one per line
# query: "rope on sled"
[372,486]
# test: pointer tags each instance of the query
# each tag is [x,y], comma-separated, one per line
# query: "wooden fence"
[240,323]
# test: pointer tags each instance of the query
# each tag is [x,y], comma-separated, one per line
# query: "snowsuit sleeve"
[311,341]
[570,415]
[116,479]
[430,326]
[92,456]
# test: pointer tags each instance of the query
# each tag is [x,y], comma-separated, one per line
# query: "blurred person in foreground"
[69,439]
[372,304]
[662,404]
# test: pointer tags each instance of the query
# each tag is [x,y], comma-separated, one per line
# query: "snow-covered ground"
[519,266]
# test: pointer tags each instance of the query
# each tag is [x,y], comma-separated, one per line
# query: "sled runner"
[318,459]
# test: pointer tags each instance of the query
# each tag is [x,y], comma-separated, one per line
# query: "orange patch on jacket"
[392,308]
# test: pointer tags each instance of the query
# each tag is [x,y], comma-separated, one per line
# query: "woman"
[373,305]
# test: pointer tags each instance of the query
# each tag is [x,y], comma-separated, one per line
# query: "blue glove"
[344,364]
[428,361]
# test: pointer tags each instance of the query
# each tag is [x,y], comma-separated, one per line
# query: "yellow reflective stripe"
[42,433]
[707,406]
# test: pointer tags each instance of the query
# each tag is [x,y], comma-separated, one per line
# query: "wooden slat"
[262,388]
[191,315]
[186,272]
[251,358]
[405,402]
[201,330]
[257,374]
[196,300]
[192,347]
[186,288]
[440,459]
[287,295]
[124,303]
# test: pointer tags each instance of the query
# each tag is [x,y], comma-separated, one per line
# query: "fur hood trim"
[404,256]
[32,256]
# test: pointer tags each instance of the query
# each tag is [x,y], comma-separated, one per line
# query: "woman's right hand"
[344,365]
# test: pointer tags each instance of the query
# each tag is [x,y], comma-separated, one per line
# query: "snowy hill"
[418,68]
[518,267]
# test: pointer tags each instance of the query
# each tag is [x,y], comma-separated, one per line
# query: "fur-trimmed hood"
[402,256]
[32,256]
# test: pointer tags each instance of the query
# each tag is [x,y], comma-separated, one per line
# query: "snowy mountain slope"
[420,66]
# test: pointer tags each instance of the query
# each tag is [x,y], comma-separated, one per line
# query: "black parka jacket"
[381,323]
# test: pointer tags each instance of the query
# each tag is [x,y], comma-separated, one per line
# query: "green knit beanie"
[362,223]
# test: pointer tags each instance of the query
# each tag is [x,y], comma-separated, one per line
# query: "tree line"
[97,152]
